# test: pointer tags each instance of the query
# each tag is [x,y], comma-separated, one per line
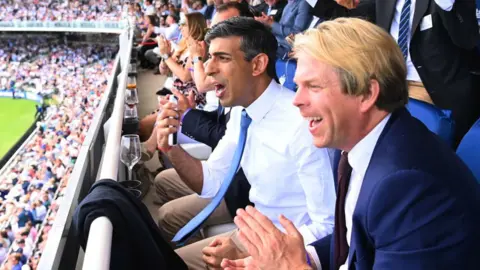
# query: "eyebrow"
[220,54]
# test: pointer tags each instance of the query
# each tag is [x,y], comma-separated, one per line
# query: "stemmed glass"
[131,97]
[130,112]
[130,152]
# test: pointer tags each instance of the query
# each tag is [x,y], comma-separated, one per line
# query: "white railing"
[97,252]
[65,26]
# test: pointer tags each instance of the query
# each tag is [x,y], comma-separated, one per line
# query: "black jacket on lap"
[136,241]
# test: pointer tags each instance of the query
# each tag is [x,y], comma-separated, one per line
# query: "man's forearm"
[188,167]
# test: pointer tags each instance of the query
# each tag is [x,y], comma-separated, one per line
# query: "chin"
[320,142]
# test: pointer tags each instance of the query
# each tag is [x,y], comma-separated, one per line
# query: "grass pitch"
[16,116]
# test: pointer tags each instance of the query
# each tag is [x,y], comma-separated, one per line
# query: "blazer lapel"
[384,13]
[420,9]
[358,242]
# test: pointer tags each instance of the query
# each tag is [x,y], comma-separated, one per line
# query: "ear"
[260,63]
[369,99]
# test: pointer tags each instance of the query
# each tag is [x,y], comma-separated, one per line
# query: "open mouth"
[219,90]
[313,122]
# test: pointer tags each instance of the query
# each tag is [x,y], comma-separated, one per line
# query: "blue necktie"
[404,29]
[195,224]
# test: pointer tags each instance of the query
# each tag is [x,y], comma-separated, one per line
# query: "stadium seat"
[436,120]
[469,149]
[286,72]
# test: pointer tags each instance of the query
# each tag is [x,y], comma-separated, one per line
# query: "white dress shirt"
[287,173]
[358,158]
[447,5]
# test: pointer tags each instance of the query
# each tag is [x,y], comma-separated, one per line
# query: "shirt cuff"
[185,113]
[313,253]
[207,189]
[308,236]
[446,5]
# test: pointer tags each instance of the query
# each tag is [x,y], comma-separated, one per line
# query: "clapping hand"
[268,246]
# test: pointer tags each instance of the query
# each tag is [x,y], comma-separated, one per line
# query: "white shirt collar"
[260,107]
[360,155]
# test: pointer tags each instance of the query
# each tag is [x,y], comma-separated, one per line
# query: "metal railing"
[97,252]
[62,248]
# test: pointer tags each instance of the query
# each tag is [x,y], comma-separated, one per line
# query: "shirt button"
[419,67]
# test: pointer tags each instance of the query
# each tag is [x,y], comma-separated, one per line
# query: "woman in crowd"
[179,65]
[148,39]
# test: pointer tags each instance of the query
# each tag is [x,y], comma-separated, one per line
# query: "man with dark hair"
[207,127]
[266,136]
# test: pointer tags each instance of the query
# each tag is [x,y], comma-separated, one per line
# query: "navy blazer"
[418,207]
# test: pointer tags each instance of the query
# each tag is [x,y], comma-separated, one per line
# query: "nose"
[300,100]
[210,68]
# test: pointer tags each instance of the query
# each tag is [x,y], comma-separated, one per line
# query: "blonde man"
[411,203]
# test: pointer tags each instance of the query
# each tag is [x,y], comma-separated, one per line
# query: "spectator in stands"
[240,56]
[199,49]
[171,33]
[296,17]
[442,37]
[149,8]
[178,64]
[394,169]
[13,262]
[208,128]
[148,39]
[272,8]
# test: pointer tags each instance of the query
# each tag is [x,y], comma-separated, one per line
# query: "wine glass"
[130,152]
[131,96]
[131,82]
[130,112]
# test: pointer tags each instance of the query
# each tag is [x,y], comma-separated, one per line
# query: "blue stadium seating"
[436,120]
[286,69]
[469,149]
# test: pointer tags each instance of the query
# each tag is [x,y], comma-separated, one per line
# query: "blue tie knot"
[246,120]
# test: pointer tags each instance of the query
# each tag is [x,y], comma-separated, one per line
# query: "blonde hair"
[360,51]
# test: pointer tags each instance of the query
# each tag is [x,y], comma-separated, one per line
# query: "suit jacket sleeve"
[461,23]
[322,247]
[302,19]
[418,224]
[329,10]
[203,127]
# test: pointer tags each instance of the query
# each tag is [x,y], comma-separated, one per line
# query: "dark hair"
[242,8]
[256,38]
[174,16]
[154,20]
[148,1]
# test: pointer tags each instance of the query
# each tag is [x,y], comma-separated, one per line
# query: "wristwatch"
[196,59]
[165,56]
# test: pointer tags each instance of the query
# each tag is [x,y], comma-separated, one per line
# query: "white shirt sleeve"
[311,250]
[446,5]
[315,172]
[216,167]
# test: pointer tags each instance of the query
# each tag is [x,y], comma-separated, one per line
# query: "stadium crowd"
[38,10]
[32,187]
